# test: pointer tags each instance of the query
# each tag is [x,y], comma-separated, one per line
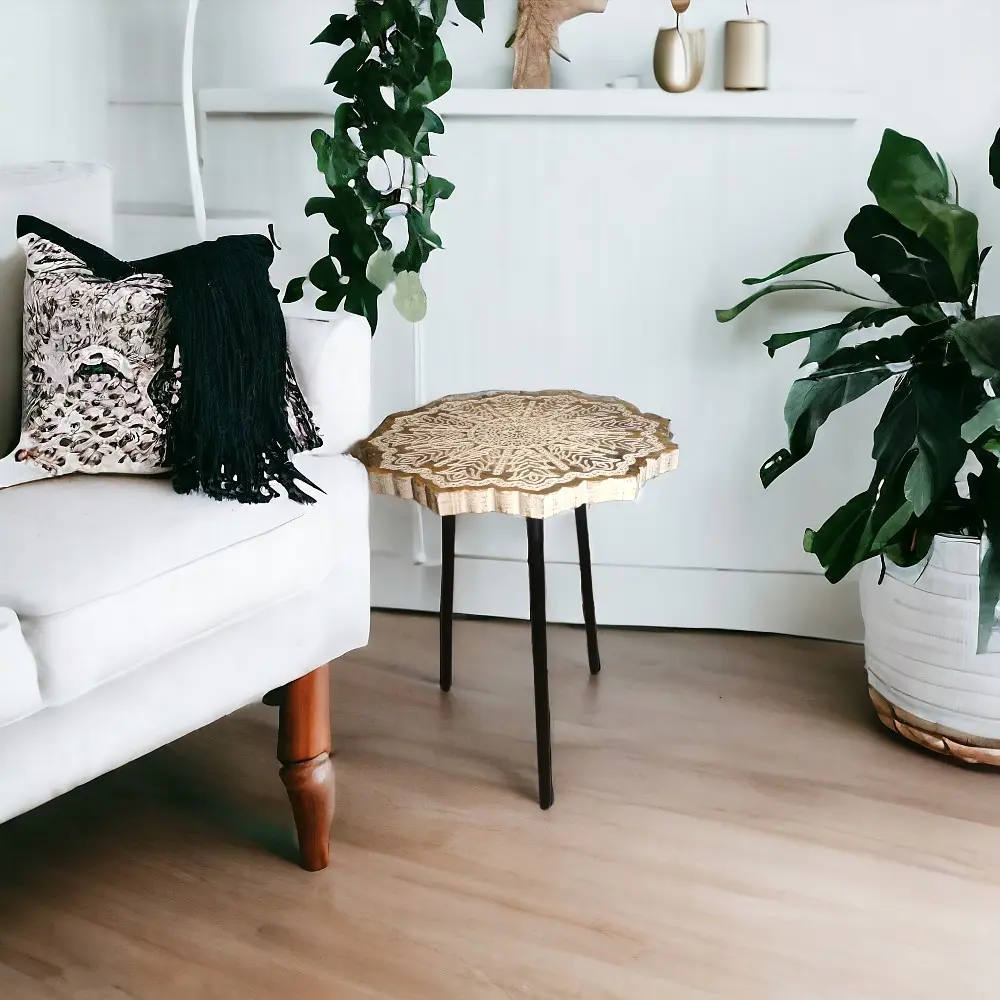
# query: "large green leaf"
[810,403]
[987,419]
[823,345]
[727,315]
[924,418]
[795,265]
[908,268]
[866,316]
[955,232]
[979,341]
[904,171]
[837,542]
[911,186]
[900,349]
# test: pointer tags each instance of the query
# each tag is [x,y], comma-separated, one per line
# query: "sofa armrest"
[331,356]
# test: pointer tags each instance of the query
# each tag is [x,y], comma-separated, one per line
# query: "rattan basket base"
[951,743]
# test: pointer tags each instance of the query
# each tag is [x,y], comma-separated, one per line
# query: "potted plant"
[391,66]
[927,526]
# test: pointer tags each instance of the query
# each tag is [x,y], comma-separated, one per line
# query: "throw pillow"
[93,351]
[240,413]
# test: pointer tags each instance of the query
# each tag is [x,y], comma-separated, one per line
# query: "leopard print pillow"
[93,365]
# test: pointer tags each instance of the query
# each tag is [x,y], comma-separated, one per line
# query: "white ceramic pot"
[926,677]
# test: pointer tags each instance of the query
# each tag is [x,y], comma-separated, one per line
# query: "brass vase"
[679,59]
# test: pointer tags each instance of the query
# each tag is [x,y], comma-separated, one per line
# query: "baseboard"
[786,603]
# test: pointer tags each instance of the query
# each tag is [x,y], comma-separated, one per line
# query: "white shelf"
[305,102]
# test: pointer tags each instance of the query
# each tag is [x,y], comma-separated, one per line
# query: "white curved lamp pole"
[190,102]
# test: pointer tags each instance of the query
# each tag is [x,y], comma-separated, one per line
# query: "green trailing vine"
[392,68]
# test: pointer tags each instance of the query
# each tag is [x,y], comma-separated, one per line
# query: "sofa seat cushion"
[19,694]
[108,573]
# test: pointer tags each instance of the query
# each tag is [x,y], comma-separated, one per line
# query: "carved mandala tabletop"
[533,454]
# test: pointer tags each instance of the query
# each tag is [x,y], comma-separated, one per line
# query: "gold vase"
[679,59]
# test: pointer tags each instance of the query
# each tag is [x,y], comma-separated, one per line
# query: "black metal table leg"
[587,589]
[539,655]
[447,597]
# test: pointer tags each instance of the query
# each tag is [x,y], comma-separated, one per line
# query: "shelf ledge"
[308,102]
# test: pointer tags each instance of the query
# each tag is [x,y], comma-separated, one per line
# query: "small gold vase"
[679,59]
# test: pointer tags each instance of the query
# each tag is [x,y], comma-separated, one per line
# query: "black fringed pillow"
[233,411]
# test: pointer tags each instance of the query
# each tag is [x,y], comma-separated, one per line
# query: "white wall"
[53,78]
[592,253]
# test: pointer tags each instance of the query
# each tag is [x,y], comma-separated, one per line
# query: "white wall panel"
[592,253]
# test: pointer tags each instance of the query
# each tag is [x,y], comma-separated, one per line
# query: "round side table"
[530,454]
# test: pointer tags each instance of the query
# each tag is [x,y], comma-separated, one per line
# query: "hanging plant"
[392,68]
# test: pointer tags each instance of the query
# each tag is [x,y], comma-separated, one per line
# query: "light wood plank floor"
[730,822]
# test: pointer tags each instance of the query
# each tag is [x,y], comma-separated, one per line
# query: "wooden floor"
[730,822]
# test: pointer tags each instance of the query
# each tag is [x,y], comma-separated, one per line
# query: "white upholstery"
[145,570]
[57,749]
[334,373]
[130,615]
[19,694]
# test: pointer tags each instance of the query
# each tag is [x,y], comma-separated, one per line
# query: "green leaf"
[905,171]
[984,492]
[809,405]
[341,28]
[979,342]
[987,419]
[421,227]
[825,343]
[995,161]
[955,232]
[919,488]
[436,189]
[924,418]
[472,10]
[437,83]
[337,159]
[838,541]
[900,349]
[830,336]
[295,290]
[380,271]
[893,526]
[796,265]
[410,299]
[375,18]
[324,275]
[727,315]
[906,267]
[345,69]
[439,11]
[912,187]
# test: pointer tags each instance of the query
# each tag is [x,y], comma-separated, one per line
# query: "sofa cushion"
[19,694]
[108,573]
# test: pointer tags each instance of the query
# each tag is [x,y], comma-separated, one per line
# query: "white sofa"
[130,616]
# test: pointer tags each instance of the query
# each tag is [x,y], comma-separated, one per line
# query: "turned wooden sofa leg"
[304,750]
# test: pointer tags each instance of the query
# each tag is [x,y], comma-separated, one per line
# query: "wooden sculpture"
[537,35]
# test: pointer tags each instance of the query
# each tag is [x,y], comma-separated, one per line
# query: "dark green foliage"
[392,67]
[921,247]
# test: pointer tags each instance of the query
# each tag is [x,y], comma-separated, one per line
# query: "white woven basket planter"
[926,678]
